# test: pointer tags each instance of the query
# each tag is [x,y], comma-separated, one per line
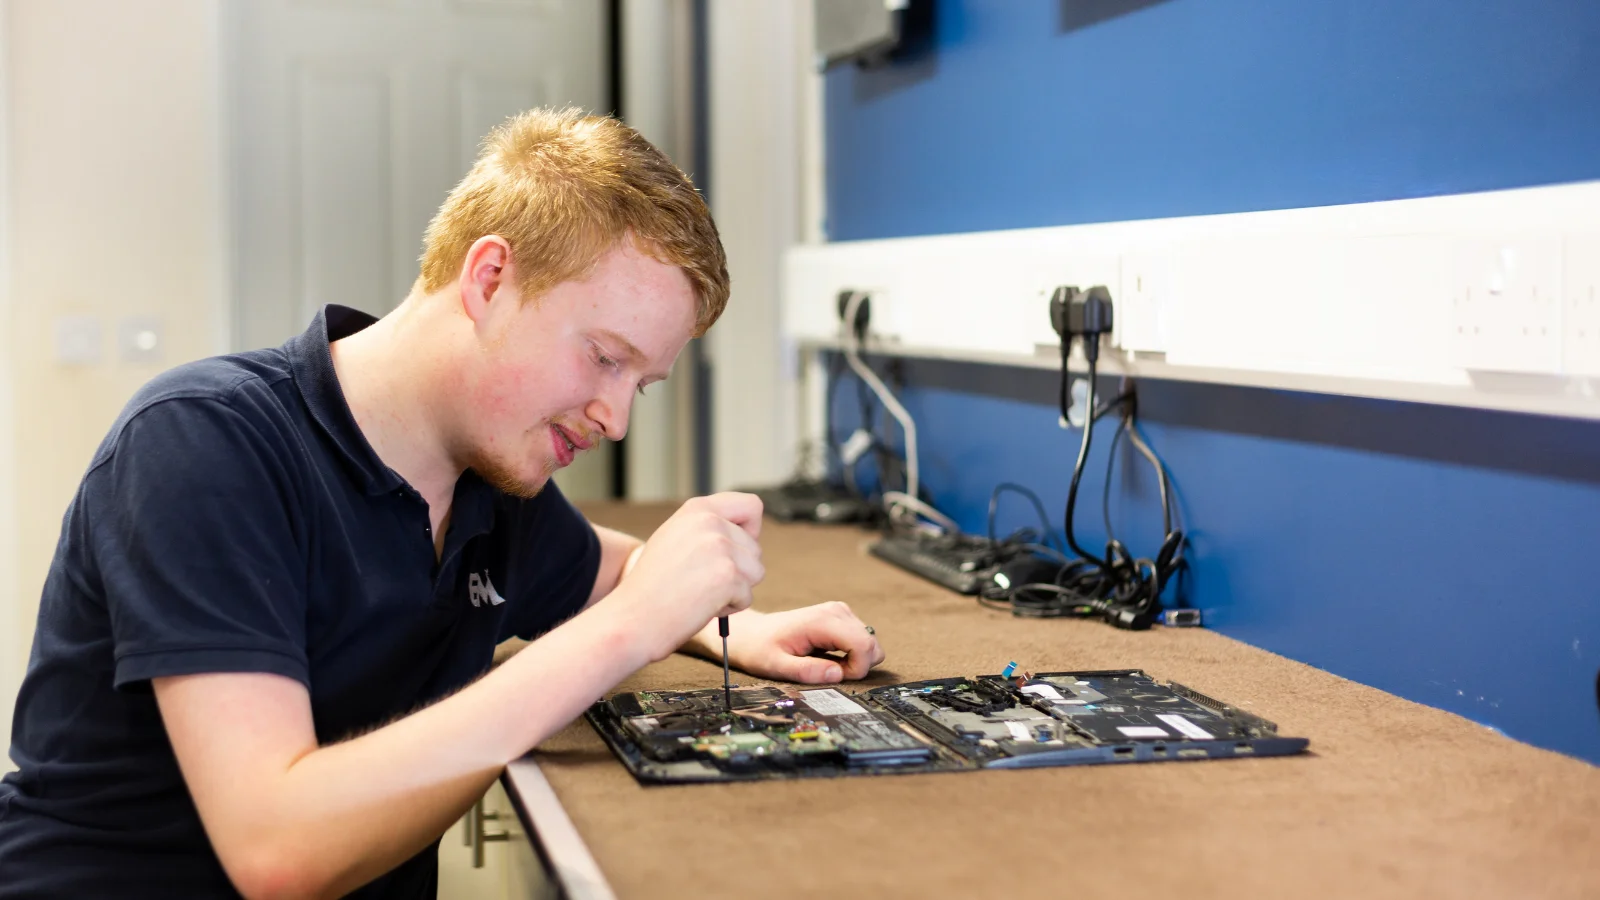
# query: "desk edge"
[552,833]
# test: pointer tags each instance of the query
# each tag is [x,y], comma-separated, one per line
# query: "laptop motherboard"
[1009,720]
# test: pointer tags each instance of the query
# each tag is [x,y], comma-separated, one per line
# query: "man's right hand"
[701,563]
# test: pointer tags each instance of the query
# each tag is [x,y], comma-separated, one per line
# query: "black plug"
[863,312]
[1131,618]
[1060,299]
[1081,314]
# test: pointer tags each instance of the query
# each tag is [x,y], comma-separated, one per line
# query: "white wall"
[114,175]
[115,210]
[657,98]
[759,54]
[11,658]
[1486,299]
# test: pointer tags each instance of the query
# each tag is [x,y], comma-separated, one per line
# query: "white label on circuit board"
[1142,731]
[830,702]
[1188,728]
[1019,731]
[1042,690]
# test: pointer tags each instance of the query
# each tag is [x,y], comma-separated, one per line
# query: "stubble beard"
[503,477]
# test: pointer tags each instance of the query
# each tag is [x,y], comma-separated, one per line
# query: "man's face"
[558,374]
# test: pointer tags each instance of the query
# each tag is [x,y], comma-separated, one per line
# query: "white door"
[349,120]
[13,650]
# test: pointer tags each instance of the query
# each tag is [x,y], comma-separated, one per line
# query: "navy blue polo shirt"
[235,520]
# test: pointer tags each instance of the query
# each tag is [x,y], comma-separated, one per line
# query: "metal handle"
[475,836]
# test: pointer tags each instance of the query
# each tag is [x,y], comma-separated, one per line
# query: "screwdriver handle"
[722,626]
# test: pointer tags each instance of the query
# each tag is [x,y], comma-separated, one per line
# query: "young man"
[260,657]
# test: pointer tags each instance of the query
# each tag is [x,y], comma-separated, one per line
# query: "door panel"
[349,121]
[346,174]
[483,98]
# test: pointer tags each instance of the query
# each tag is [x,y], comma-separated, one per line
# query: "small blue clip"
[1010,667]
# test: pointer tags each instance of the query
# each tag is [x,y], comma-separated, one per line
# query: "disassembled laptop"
[1009,720]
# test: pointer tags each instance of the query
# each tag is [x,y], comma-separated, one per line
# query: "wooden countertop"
[1395,799]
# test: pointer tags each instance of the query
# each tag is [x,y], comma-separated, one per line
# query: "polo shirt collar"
[311,361]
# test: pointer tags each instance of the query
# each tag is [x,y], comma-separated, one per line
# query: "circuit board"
[947,724]
[1072,718]
[685,736]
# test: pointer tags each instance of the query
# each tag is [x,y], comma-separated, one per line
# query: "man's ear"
[484,273]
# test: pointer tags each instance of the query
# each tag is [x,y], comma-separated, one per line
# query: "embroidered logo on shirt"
[480,590]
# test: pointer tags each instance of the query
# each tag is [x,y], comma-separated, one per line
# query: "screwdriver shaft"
[727,689]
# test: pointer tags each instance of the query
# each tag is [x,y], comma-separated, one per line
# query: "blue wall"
[1209,106]
[1437,553]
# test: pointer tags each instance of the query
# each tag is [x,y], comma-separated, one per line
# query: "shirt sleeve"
[199,543]
[559,552]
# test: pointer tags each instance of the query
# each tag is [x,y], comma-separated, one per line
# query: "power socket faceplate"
[1505,303]
[1580,314]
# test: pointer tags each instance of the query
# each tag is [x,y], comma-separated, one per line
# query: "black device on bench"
[806,500]
[963,563]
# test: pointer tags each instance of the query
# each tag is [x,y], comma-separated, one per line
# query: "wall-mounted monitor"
[869,32]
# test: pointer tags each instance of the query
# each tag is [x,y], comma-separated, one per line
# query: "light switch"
[139,340]
[78,341]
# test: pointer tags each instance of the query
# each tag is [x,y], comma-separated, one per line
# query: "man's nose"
[610,412]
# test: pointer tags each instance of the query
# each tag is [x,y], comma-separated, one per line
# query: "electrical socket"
[1505,305]
[1580,316]
[1141,324]
[1064,267]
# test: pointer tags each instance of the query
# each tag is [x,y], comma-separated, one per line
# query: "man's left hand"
[786,646]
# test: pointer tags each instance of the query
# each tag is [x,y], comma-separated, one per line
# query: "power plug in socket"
[863,312]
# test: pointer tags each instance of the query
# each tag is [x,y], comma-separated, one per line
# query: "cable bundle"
[905,508]
[1125,589]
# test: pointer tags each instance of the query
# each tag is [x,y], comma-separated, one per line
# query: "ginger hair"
[563,188]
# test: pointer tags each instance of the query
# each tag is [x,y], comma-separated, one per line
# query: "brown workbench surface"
[1395,799]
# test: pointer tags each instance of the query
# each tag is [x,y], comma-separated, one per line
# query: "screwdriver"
[727,690]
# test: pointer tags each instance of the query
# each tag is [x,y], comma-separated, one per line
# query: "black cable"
[1111,468]
[864,401]
[882,452]
[1083,456]
[1130,425]
[1124,589]
[1136,437]
[1164,478]
[801,481]
[868,424]
[1124,401]
[836,366]
[1038,506]
[891,466]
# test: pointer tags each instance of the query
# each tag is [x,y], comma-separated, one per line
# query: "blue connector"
[1010,667]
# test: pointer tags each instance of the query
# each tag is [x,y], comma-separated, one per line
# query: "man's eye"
[605,361]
